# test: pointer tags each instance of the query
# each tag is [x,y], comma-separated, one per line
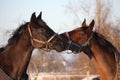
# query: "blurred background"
[62,16]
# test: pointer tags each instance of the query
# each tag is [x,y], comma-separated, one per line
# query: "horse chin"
[72,52]
[59,47]
[75,52]
[56,48]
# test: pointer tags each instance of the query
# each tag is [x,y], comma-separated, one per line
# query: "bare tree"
[100,10]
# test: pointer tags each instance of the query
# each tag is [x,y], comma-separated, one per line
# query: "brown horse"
[100,51]
[15,56]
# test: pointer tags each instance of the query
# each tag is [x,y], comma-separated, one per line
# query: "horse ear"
[40,16]
[84,23]
[33,17]
[91,25]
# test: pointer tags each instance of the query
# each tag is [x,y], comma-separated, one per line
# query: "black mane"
[15,35]
[104,43]
[2,49]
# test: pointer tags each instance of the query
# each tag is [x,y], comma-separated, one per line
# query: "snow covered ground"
[51,76]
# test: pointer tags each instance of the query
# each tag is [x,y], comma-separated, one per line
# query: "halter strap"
[51,38]
[71,42]
[88,40]
[46,43]
[4,76]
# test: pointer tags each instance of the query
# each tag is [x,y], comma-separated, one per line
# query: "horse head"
[42,36]
[78,38]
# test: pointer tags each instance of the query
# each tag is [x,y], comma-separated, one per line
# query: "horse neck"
[15,57]
[103,60]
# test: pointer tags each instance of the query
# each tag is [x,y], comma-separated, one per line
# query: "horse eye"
[41,30]
[81,34]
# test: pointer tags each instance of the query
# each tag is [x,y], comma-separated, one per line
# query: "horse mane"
[104,43]
[2,49]
[15,35]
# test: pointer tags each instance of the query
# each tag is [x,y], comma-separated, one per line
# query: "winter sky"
[15,12]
